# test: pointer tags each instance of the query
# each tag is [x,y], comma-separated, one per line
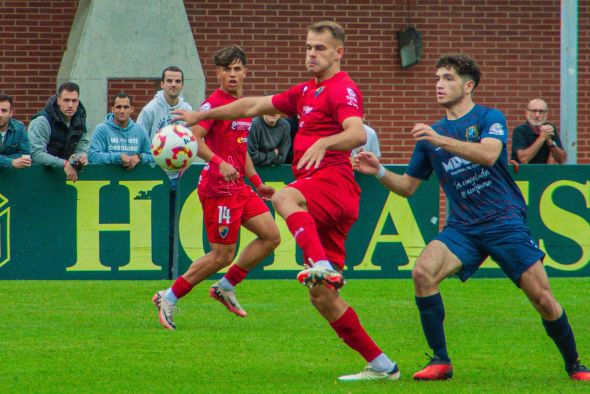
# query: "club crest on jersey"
[472,134]
[318,91]
[223,231]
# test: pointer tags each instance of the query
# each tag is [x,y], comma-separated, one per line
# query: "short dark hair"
[334,28]
[69,86]
[5,97]
[228,55]
[122,95]
[175,69]
[463,65]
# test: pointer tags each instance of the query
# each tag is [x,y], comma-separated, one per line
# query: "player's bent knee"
[275,241]
[223,259]
[421,276]
[546,303]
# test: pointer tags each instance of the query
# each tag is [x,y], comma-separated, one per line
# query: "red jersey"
[228,139]
[322,107]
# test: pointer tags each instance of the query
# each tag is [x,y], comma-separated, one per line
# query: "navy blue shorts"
[509,242]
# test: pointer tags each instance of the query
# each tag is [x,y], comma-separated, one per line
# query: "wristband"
[216,160]
[381,173]
[255,180]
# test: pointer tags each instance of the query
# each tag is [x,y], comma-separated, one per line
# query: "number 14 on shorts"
[224,215]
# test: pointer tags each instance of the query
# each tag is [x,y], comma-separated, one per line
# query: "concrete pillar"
[569,79]
[129,39]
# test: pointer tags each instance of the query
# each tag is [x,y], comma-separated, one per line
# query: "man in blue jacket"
[14,141]
[118,139]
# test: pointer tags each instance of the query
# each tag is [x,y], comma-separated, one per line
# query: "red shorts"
[332,196]
[224,215]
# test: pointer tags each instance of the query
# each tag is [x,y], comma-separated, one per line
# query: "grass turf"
[104,336]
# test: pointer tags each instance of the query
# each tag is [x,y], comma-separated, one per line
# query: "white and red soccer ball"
[174,147]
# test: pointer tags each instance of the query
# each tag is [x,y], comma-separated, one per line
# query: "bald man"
[536,141]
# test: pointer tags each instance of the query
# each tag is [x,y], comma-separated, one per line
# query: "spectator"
[372,144]
[157,113]
[294,123]
[14,141]
[119,140]
[269,140]
[58,133]
[536,141]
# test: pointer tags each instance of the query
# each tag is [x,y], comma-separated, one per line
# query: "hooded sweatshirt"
[157,113]
[109,140]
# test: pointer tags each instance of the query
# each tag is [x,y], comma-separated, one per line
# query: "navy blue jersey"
[475,193]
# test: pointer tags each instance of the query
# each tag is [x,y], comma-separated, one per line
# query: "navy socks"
[561,332]
[432,316]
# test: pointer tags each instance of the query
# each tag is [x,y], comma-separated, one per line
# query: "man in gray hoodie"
[158,112]
[118,139]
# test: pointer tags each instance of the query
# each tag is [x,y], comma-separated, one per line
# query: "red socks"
[181,287]
[304,231]
[350,330]
[235,274]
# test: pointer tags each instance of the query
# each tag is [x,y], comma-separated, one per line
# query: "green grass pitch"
[104,337]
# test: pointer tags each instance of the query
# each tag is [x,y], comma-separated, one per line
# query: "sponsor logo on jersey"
[240,125]
[205,107]
[472,134]
[307,109]
[496,129]
[223,231]
[351,98]
[242,140]
[454,162]
[318,91]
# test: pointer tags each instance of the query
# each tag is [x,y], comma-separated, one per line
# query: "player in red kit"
[322,203]
[228,202]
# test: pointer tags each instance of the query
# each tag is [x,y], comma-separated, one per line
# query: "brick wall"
[141,90]
[516,43]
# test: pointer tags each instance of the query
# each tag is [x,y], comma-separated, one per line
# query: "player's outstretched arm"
[246,107]
[367,163]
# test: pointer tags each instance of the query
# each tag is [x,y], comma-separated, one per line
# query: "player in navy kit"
[467,151]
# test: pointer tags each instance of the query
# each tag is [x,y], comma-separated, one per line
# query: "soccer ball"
[174,147]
